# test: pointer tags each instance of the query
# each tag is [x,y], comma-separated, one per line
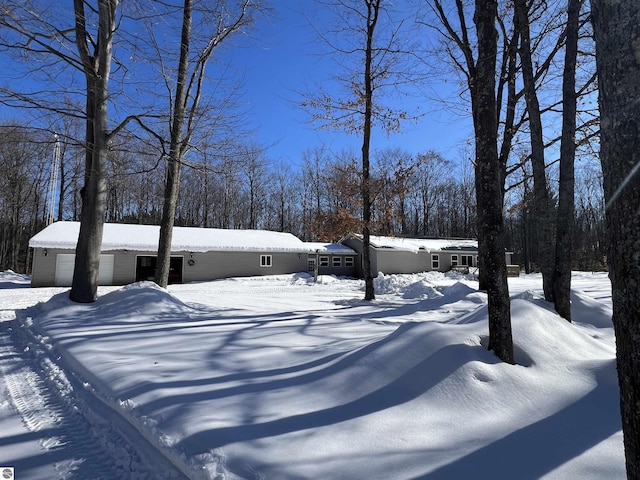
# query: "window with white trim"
[349,261]
[336,261]
[454,260]
[435,261]
[266,261]
[324,261]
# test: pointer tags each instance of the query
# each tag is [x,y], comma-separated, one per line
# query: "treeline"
[240,187]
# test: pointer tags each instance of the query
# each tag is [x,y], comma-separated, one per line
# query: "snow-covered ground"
[281,378]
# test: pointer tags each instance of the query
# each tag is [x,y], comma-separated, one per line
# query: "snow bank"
[11,279]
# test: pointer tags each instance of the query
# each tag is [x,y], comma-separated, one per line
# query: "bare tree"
[617,30]
[490,165]
[541,200]
[283,198]
[368,38]
[256,179]
[186,103]
[95,54]
[566,202]
[490,177]
[393,175]
[22,184]
[314,164]
[31,32]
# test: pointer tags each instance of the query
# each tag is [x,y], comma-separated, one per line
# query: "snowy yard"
[280,378]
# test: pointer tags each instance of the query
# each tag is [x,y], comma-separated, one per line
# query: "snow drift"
[282,378]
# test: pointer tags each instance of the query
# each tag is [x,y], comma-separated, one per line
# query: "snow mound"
[547,339]
[141,294]
[420,290]
[11,279]
[414,286]
[458,289]
[589,311]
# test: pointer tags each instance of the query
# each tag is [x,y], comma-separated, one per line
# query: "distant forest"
[238,186]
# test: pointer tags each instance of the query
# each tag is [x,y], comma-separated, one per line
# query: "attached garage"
[65,263]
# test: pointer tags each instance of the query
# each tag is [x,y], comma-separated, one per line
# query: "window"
[146,262]
[435,261]
[324,261]
[467,260]
[311,264]
[265,261]
[454,260]
[336,261]
[349,261]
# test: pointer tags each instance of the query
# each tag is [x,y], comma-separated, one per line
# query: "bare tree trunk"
[541,210]
[566,206]
[490,182]
[373,7]
[617,33]
[97,68]
[174,162]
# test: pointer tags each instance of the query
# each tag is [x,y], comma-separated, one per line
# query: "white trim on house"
[266,261]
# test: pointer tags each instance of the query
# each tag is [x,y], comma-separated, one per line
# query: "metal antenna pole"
[53,182]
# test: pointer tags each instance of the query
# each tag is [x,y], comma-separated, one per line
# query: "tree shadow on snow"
[539,448]
[410,384]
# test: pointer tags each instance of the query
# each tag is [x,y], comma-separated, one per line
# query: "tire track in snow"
[83,435]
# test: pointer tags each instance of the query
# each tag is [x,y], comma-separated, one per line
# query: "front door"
[146,268]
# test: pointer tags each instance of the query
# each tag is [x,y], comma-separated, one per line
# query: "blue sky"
[278,61]
[281,60]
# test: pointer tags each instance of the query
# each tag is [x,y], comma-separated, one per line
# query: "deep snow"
[281,378]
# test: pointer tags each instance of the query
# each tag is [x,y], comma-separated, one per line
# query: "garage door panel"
[65,263]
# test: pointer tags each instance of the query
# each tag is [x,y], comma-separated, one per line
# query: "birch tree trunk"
[617,34]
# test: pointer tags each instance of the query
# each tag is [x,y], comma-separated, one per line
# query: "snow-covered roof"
[425,244]
[117,236]
[334,248]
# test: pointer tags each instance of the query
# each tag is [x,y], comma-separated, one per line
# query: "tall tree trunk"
[566,206]
[372,18]
[97,69]
[174,162]
[490,182]
[541,202]
[617,34]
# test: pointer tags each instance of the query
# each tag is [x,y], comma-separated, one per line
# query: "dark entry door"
[146,268]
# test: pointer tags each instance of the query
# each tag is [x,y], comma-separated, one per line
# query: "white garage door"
[65,264]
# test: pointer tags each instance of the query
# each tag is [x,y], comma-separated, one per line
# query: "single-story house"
[198,254]
[414,255]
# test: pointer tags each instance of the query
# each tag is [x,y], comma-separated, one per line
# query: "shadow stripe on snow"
[50,400]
